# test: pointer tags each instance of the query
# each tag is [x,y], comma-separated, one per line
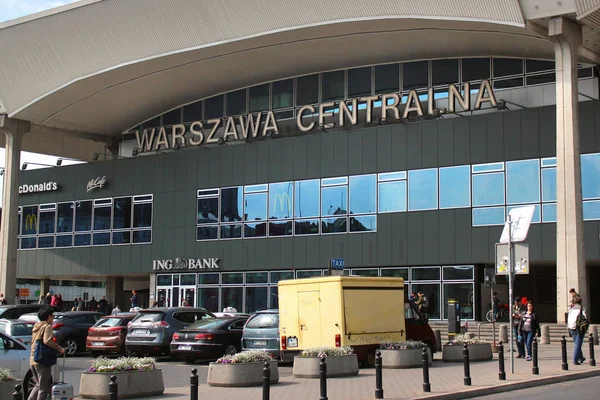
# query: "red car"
[108,335]
[417,327]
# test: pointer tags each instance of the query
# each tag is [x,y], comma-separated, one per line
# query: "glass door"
[163,297]
[188,296]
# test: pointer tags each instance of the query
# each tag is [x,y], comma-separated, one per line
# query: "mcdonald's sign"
[285,204]
[30,222]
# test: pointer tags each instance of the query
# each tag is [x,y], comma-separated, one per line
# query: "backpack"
[582,323]
[425,301]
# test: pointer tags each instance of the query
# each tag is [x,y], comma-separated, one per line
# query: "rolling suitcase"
[61,390]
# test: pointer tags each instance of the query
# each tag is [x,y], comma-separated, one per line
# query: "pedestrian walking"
[574,297]
[528,328]
[61,304]
[3,301]
[42,300]
[102,305]
[93,305]
[517,312]
[54,302]
[48,299]
[134,299]
[495,305]
[577,324]
[115,310]
[80,304]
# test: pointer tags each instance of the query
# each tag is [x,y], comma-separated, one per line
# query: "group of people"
[56,302]
[419,300]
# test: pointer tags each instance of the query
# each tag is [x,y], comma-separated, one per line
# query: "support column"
[44,287]
[14,130]
[570,255]
[115,294]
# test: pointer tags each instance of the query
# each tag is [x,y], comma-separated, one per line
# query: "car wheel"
[230,349]
[28,383]
[70,346]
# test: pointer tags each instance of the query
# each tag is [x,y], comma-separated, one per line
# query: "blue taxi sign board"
[337,263]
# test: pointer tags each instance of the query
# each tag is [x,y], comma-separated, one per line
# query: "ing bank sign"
[326,115]
[179,264]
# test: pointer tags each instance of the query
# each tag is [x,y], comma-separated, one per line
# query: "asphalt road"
[583,389]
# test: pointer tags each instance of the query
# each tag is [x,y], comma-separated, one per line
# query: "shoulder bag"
[43,354]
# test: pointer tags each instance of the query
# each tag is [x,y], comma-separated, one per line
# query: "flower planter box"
[240,375]
[132,384]
[8,387]
[477,352]
[411,358]
[308,367]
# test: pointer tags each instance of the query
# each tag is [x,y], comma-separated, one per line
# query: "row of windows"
[287,95]
[90,284]
[99,222]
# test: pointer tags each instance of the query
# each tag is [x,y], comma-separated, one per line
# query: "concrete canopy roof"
[102,66]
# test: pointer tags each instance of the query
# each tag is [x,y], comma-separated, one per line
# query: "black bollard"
[194,385]
[17,395]
[323,379]
[535,369]
[467,379]
[425,359]
[502,372]
[592,359]
[563,350]
[113,389]
[266,381]
[378,376]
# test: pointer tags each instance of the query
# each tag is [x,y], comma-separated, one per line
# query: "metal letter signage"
[40,187]
[97,183]
[179,264]
[30,222]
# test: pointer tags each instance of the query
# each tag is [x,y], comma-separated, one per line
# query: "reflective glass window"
[101,239]
[277,276]
[549,184]
[122,213]
[306,227]
[47,222]
[444,72]
[83,239]
[29,220]
[537,214]
[507,66]
[164,280]
[121,237]
[231,231]
[426,274]
[281,115]
[172,117]
[256,298]
[232,297]
[259,98]
[433,293]
[64,221]
[142,236]
[236,102]
[415,75]
[283,94]
[208,279]
[280,228]
[549,212]
[334,181]
[523,181]
[591,210]
[392,196]
[488,216]
[307,90]
[142,215]
[308,273]
[208,298]
[359,82]
[192,112]
[422,189]
[281,200]
[334,200]
[590,176]
[154,122]
[83,216]
[232,278]
[490,167]
[455,187]
[475,69]
[387,78]
[463,292]
[391,176]
[64,240]
[306,199]
[207,232]
[373,272]
[208,210]
[255,230]
[29,242]
[395,273]
[508,83]
[363,194]
[334,225]
[45,242]
[540,79]
[255,207]
[333,85]
[213,107]
[102,217]
[549,162]
[488,189]
[232,204]
[257,277]
[539,65]
[458,272]
[364,223]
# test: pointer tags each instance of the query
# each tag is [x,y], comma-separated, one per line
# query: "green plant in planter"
[406,345]
[461,340]
[327,351]
[5,375]
[122,364]
[246,357]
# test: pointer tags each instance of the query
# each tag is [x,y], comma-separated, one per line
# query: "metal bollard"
[438,339]
[378,376]
[113,389]
[323,378]
[266,381]
[194,385]
[502,372]
[467,379]
[563,349]
[535,369]
[425,359]
[17,395]
[592,359]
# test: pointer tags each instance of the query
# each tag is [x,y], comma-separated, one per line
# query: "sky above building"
[11,9]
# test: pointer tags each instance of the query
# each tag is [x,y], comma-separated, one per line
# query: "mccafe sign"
[310,117]
[179,264]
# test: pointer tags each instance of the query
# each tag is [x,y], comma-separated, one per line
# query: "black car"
[71,329]
[208,339]
[15,311]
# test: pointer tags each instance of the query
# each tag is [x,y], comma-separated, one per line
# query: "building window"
[387,78]
[283,94]
[259,98]
[488,188]
[488,216]
[415,75]
[47,219]
[507,67]
[236,103]
[423,189]
[444,72]
[590,176]
[307,199]
[537,213]
[549,212]
[333,85]
[213,107]
[359,82]
[455,187]
[307,89]
[475,69]
[523,181]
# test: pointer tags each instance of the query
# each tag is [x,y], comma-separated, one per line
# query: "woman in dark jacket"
[528,327]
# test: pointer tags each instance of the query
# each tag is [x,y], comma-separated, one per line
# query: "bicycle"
[502,313]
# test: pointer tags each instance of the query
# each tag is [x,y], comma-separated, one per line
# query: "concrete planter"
[411,358]
[308,367]
[240,375]
[477,352]
[7,388]
[132,384]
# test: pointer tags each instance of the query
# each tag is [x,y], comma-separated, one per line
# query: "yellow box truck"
[339,311]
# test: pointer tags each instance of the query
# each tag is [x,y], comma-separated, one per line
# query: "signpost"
[515,231]
[336,266]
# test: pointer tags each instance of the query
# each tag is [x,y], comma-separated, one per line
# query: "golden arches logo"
[31,222]
[283,200]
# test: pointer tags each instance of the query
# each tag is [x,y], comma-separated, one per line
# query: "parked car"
[14,355]
[107,336]
[262,332]
[14,311]
[33,317]
[151,331]
[71,328]
[208,339]
[231,314]
[18,329]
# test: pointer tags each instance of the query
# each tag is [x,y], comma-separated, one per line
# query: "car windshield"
[149,317]
[21,329]
[108,322]
[263,321]
[2,309]
[207,324]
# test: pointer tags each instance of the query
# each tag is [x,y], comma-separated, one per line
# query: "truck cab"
[417,327]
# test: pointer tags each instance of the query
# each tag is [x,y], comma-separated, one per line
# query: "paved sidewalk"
[446,381]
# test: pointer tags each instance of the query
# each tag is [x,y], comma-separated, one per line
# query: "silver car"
[261,332]
[18,329]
